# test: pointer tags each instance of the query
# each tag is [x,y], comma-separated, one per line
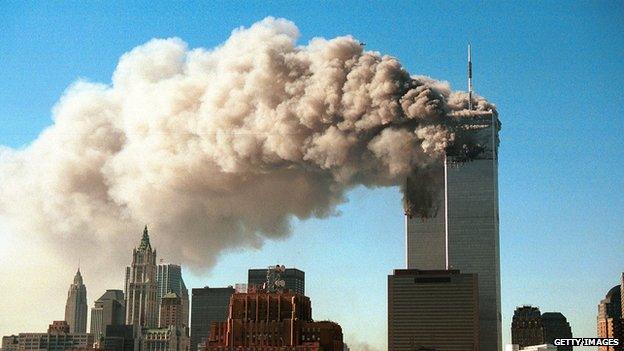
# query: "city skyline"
[546,214]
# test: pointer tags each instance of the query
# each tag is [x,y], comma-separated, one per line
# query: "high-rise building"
[526,326]
[109,309]
[463,233]
[76,306]
[610,323]
[556,326]
[530,327]
[169,278]
[141,286]
[294,278]
[171,311]
[432,310]
[272,321]
[208,305]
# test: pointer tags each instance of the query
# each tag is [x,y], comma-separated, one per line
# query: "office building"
[463,233]
[119,338]
[109,309]
[529,327]
[10,343]
[57,338]
[141,286]
[61,338]
[208,305]
[169,278]
[556,326]
[171,311]
[271,321]
[76,306]
[433,310]
[526,327]
[610,324]
[164,339]
[294,278]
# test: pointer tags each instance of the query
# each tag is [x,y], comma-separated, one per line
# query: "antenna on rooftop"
[469,77]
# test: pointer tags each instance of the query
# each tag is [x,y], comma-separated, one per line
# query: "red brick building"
[273,321]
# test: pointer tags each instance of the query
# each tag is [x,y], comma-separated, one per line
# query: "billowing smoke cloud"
[218,149]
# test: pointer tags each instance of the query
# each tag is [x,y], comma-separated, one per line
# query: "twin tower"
[453,264]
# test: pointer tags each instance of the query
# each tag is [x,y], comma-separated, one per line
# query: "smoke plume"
[219,148]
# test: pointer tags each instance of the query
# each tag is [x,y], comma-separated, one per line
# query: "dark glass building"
[207,305]
[526,327]
[530,327]
[109,309]
[556,326]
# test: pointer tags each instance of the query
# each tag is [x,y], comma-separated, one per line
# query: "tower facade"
[76,306]
[109,309]
[610,324]
[171,311]
[432,310]
[208,305]
[141,286]
[169,279]
[464,233]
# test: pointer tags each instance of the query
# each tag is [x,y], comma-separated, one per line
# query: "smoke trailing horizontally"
[218,149]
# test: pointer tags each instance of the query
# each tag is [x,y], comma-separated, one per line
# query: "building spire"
[145,242]
[78,278]
[469,77]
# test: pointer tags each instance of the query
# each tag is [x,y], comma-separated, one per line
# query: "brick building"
[279,320]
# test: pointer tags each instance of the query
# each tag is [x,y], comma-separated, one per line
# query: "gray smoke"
[219,149]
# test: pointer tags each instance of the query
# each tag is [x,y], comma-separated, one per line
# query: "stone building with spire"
[76,306]
[141,286]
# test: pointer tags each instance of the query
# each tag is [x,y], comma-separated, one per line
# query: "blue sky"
[554,69]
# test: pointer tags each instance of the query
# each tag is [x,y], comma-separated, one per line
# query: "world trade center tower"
[463,234]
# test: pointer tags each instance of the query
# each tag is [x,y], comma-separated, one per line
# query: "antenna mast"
[469,78]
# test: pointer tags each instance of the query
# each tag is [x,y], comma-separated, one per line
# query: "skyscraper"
[109,309]
[141,286]
[76,306]
[610,324]
[529,327]
[432,310]
[169,278]
[464,234]
[208,305]
[293,277]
